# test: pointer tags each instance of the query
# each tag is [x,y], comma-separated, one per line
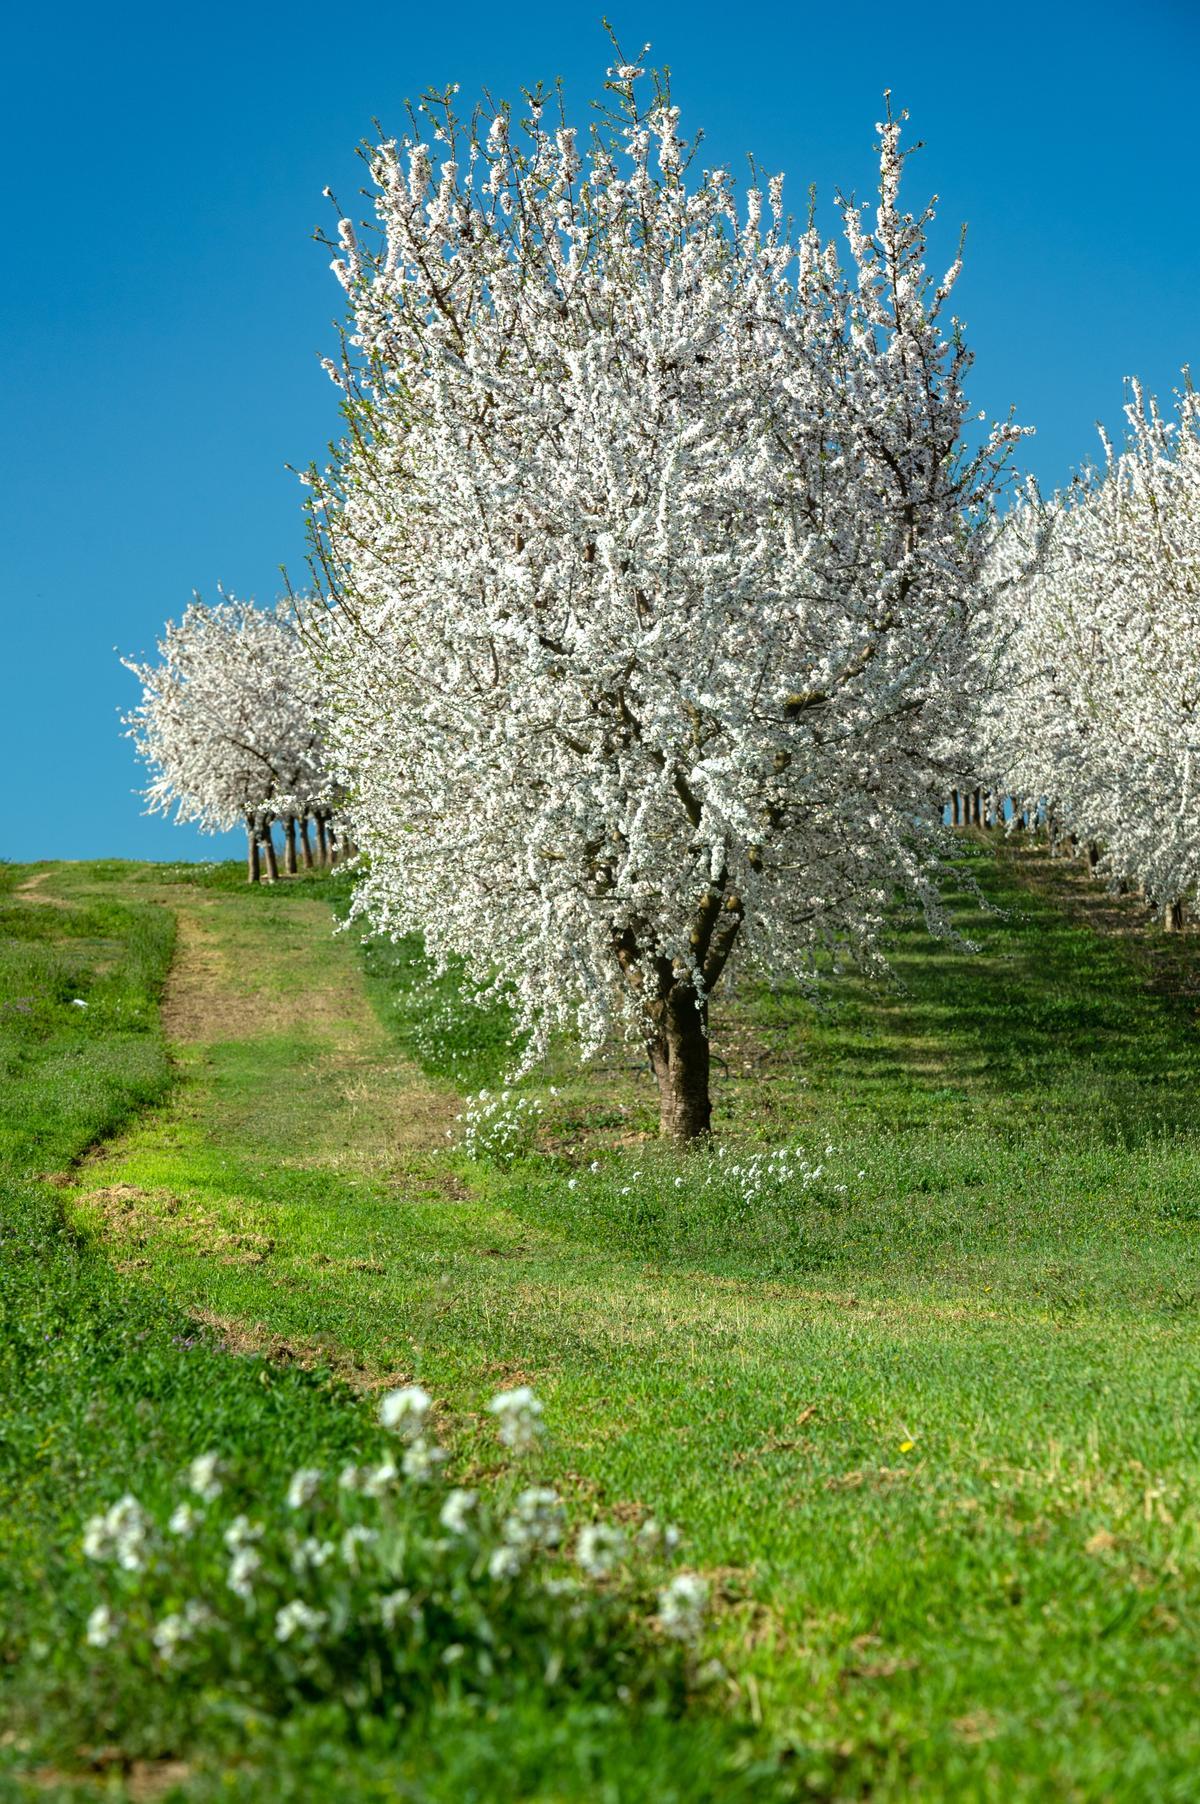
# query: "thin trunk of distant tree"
[289,845]
[305,844]
[268,842]
[253,864]
[322,841]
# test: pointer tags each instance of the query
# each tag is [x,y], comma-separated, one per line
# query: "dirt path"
[279,1047]
[31,890]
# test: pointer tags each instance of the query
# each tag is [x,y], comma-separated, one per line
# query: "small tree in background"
[230,726]
[650,535]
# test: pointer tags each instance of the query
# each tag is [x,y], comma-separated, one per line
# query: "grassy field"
[922,1394]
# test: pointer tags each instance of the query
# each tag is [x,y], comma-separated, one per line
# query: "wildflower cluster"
[499,1126]
[380,1585]
[784,1172]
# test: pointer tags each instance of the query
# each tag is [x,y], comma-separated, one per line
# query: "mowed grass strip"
[930,1422]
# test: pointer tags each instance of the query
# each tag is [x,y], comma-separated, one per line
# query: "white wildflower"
[505,1563]
[204,1476]
[243,1568]
[536,1520]
[455,1511]
[598,1548]
[184,1520]
[355,1538]
[519,1414]
[242,1533]
[310,1555]
[654,1537]
[305,1484]
[375,1480]
[404,1411]
[97,1541]
[101,1627]
[421,1459]
[681,1606]
[299,1619]
[125,1533]
[395,1603]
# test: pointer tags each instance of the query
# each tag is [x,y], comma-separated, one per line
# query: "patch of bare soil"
[31,891]
[132,1215]
[256,1341]
[200,1001]
[143,1780]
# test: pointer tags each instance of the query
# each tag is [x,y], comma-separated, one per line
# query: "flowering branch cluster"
[382,1585]
[650,536]
[230,724]
[1094,701]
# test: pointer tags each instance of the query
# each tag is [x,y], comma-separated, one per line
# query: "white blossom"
[536,1520]
[393,1605]
[304,1485]
[456,1511]
[599,1547]
[231,720]
[121,1533]
[505,1562]
[420,1460]
[102,1627]
[653,538]
[184,1520]
[171,1632]
[375,1480]
[404,1411]
[681,1606]
[519,1414]
[242,1533]
[204,1476]
[310,1554]
[1092,711]
[299,1620]
[354,1540]
[244,1568]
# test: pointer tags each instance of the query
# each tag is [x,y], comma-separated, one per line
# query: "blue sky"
[164,306]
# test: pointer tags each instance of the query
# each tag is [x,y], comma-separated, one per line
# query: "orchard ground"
[927,1416]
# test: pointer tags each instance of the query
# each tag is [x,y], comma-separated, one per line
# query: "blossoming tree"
[1095,705]
[650,539]
[230,726]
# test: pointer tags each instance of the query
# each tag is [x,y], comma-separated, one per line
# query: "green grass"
[106,1385]
[929,1422]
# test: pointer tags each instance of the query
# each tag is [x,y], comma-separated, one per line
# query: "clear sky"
[164,306]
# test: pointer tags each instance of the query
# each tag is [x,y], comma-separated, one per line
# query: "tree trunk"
[1172,919]
[679,1056]
[955,808]
[289,845]
[253,867]
[1093,854]
[305,844]
[322,841]
[269,849]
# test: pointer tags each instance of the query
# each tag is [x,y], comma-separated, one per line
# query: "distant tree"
[230,724]
[649,534]
[1094,709]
